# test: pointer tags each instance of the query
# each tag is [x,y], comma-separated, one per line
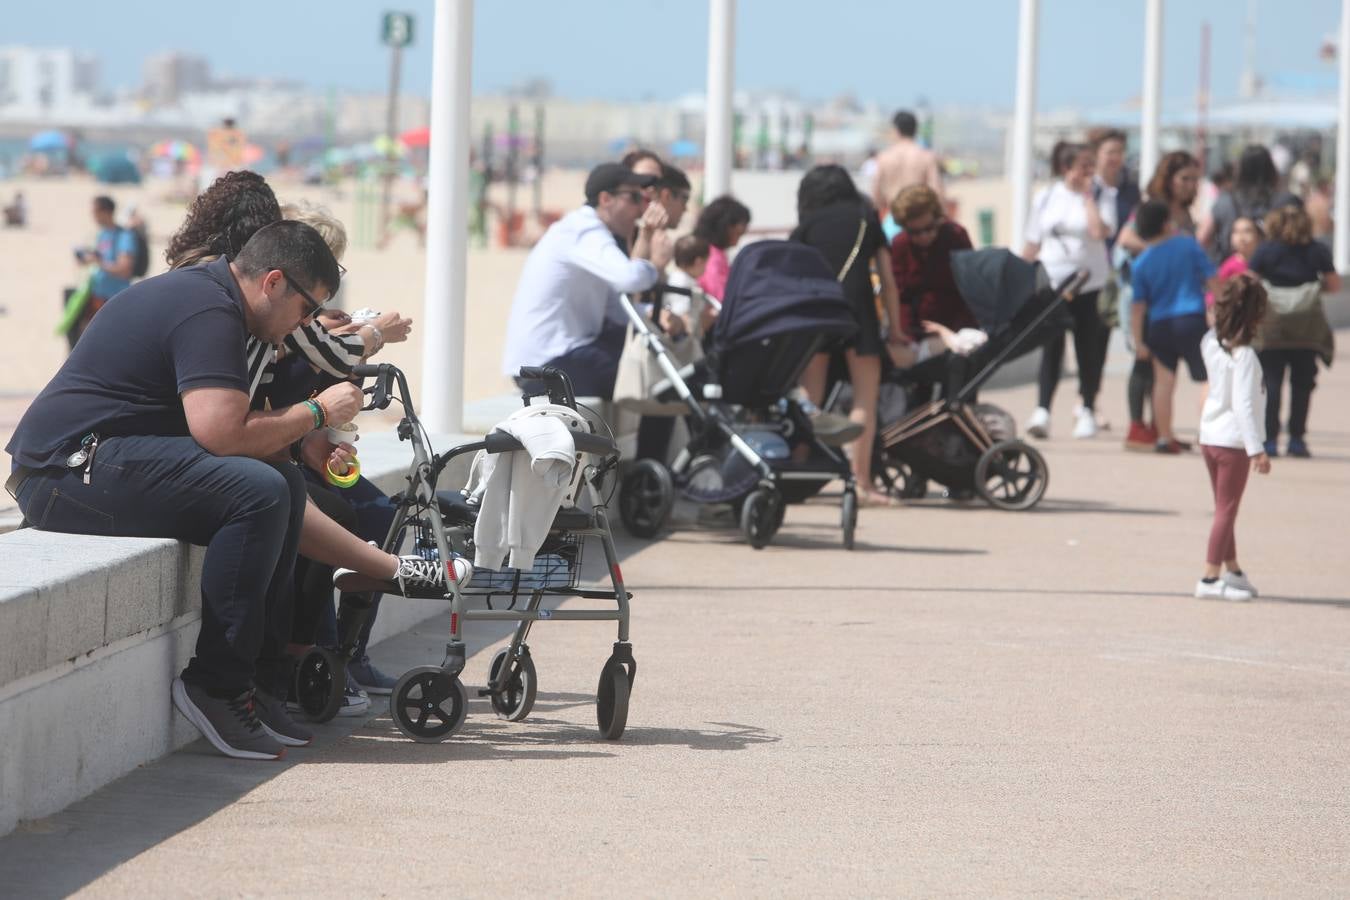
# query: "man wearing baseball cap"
[571,276]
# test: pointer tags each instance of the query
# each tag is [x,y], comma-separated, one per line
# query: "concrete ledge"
[93,629]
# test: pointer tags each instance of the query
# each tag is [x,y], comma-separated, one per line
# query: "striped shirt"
[334,354]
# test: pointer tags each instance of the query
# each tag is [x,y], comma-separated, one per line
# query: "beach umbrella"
[176,150]
[115,169]
[416,137]
[45,141]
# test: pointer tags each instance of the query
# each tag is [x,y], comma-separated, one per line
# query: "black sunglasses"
[314,306]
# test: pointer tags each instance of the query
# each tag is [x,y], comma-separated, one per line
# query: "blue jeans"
[247,513]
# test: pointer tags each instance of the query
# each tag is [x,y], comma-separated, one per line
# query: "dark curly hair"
[222,218]
[718,218]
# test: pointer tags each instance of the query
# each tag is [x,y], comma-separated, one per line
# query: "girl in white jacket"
[1232,427]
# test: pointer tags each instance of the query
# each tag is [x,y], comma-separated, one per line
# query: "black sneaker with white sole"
[416,577]
[231,726]
[277,722]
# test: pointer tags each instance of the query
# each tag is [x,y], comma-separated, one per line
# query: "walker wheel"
[848,513]
[515,700]
[1011,475]
[761,515]
[646,496]
[428,704]
[611,700]
[319,682]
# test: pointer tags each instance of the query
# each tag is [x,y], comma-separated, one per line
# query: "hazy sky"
[950,51]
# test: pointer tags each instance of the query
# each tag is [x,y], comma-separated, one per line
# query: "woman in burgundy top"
[921,258]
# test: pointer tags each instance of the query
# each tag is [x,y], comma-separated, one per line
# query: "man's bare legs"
[1164,386]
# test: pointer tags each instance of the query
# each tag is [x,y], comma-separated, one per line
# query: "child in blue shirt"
[1168,315]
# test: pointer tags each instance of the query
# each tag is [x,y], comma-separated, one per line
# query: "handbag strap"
[857,245]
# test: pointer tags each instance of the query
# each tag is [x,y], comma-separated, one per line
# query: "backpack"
[141,256]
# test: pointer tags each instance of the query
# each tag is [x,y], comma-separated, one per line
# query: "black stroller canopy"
[777,288]
[996,284]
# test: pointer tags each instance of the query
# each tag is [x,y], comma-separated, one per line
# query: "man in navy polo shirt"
[146,432]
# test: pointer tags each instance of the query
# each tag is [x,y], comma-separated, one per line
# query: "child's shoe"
[1218,589]
[1272,449]
[1141,437]
[1240,581]
[1297,448]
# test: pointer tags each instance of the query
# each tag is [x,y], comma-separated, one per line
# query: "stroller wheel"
[1011,475]
[899,480]
[611,700]
[515,700]
[848,512]
[645,498]
[761,516]
[428,704]
[319,682]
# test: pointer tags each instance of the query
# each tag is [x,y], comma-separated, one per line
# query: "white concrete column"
[1024,114]
[442,325]
[1152,100]
[1342,208]
[718,117]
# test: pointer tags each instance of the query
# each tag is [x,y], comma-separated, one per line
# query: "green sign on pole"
[398,29]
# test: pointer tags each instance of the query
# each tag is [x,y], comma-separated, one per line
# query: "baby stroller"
[429,703]
[972,448]
[751,445]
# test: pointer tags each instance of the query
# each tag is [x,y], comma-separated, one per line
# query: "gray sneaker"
[371,679]
[416,577]
[231,726]
[278,723]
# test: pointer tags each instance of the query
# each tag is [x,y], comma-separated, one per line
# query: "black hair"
[673,179]
[1063,156]
[104,203]
[718,218]
[905,123]
[825,185]
[1151,219]
[295,248]
[1257,176]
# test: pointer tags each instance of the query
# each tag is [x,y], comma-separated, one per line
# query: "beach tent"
[115,168]
[47,141]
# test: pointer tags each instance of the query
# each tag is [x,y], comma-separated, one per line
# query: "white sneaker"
[1220,590]
[1086,426]
[1240,581]
[1038,426]
[415,577]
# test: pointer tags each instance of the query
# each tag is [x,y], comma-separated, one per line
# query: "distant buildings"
[46,83]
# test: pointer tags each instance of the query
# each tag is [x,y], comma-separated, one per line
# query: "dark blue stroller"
[751,444]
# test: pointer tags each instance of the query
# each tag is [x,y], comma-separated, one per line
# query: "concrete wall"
[92,632]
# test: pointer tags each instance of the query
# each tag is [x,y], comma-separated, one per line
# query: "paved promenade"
[973,703]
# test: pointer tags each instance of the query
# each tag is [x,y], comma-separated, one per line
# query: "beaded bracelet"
[323,413]
[316,411]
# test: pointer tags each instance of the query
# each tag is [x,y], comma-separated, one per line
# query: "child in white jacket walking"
[1232,428]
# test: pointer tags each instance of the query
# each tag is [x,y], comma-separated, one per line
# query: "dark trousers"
[1140,389]
[1302,366]
[367,512]
[247,513]
[594,366]
[1088,334]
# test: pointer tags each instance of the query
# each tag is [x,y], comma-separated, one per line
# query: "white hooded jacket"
[519,493]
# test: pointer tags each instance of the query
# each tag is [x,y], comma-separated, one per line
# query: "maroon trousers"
[1228,470]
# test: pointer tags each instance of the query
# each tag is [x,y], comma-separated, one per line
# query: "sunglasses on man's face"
[930,228]
[633,196]
[312,306]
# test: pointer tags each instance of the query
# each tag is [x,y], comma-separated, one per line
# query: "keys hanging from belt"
[84,456]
